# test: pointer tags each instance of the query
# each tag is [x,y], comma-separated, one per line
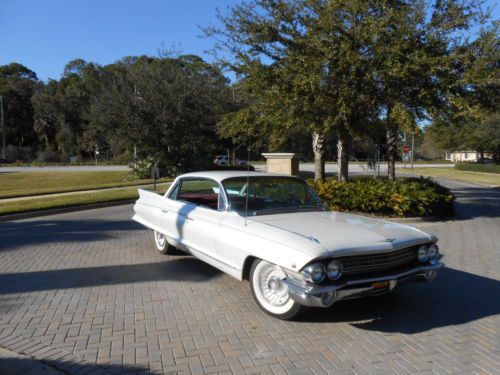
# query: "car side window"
[202,192]
[175,191]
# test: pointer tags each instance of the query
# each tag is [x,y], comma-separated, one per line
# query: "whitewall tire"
[270,293]
[162,244]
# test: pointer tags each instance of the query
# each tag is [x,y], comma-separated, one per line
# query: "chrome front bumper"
[324,296]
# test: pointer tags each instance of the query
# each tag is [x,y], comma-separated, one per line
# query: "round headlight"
[433,251]
[316,272]
[423,255]
[334,270]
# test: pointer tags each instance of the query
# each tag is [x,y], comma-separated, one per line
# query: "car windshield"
[269,195]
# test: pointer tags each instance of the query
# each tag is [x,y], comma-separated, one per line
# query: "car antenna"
[248,179]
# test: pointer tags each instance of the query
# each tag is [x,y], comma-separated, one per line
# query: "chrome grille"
[358,264]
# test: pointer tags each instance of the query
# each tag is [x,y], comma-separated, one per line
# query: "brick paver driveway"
[87,292]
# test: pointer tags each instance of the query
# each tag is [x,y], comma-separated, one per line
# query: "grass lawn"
[37,204]
[480,178]
[19,184]
[398,162]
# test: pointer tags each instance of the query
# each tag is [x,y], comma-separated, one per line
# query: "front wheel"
[270,293]
[162,244]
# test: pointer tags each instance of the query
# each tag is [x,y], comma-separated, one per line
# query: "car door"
[162,213]
[201,214]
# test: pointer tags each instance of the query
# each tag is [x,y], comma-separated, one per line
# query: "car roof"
[223,175]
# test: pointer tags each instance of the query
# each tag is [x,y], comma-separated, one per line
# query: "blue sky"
[44,35]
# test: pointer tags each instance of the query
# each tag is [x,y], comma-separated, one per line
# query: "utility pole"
[412,146]
[3,128]
[404,157]
[378,160]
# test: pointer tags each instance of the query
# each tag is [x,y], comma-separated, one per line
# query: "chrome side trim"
[192,249]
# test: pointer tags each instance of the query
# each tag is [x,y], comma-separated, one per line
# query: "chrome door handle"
[189,218]
[164,211]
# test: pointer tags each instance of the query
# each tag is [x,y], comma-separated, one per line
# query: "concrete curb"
[62,210]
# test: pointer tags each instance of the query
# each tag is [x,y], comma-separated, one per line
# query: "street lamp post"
[3,128]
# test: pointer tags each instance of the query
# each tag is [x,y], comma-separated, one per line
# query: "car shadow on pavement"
[14,234]
[455,297]
[177,269]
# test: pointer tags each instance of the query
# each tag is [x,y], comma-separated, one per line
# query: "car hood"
[333,233]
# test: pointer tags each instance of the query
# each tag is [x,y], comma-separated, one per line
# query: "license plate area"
[381,285]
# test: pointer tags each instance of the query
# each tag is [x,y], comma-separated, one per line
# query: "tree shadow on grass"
[455,297]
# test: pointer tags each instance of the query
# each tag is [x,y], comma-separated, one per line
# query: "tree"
[481,136]
[427,68]
[166,107]
[61,108]
[17,85]
[48,115]
[306,65]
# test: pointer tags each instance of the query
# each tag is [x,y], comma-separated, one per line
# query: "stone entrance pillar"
[282,162]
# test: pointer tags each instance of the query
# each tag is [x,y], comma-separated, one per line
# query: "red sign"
[406,149]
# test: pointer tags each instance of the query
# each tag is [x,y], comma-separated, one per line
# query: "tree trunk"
[318,143]
[392,151]
[343,152]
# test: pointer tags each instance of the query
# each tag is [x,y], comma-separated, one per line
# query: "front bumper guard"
[324,296]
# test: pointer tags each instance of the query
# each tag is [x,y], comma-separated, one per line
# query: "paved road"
[87,292]
[364,168]
[308,167]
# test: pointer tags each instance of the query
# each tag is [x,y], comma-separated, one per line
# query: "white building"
[472,156]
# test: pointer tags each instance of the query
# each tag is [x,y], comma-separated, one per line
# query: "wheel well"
[246,267]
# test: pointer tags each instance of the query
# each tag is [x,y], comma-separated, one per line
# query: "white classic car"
[274,231]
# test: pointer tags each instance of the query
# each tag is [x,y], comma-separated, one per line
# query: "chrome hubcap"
[160,239]
[273,290]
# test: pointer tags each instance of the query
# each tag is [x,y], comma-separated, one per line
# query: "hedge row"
[479,167]
[407,197]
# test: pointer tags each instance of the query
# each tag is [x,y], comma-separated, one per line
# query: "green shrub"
[405,197]
[479,167]
[141,169]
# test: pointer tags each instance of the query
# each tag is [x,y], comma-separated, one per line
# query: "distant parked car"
[222,160]
[274,231]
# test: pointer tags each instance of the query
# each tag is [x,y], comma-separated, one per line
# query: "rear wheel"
[162,244]
[270,293]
